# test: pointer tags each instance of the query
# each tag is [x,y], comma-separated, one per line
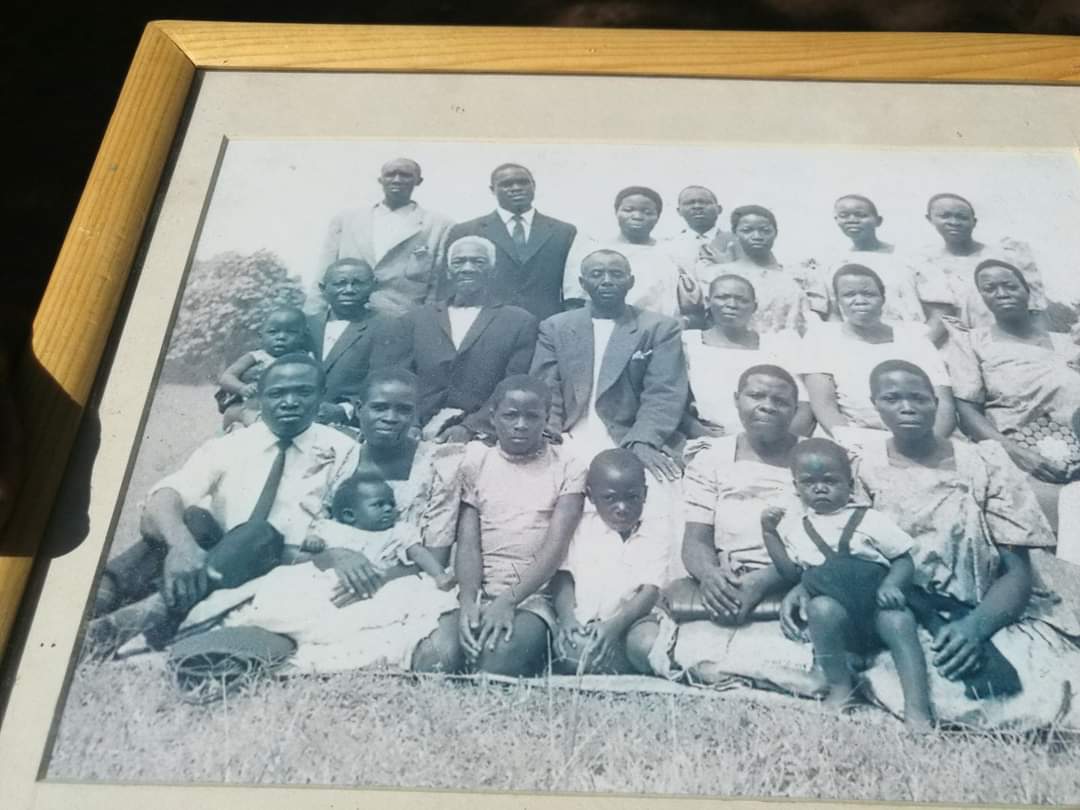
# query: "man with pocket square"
[617,373]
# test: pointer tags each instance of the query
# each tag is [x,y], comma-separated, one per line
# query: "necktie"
[518,233]
[273,479]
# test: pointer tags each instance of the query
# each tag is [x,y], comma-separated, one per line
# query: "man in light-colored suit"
[402,242]
[617,373]
[530,248]
[700,209]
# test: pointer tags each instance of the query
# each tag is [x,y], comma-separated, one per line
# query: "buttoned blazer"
[406,275]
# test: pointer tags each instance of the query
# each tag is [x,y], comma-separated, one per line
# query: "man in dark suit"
[462,348]
[530,248]
[616,373]
[350,340]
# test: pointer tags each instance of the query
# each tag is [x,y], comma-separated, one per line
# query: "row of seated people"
[554,551]
[626,376]
[538,257]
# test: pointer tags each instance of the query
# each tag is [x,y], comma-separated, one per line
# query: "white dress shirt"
[608,570]
[461,320]
[331,333]
[508,220]
[590,434]
[226,475]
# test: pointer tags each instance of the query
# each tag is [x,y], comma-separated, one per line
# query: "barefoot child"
[854,564]
[521,501]
[613,571]
[283,332]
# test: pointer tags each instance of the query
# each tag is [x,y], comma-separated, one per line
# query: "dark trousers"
[244,552]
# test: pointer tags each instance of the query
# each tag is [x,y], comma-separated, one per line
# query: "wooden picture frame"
[80,304]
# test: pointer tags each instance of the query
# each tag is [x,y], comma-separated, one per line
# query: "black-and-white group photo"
[665,469]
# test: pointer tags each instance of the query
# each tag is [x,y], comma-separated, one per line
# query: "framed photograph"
[557,418]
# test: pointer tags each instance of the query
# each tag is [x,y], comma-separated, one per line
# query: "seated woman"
[424,480]
[520,504]
[980,543]
[656,272]
[943,275]
[786,298]
[725,489]
[1017,383]
[718,355]
[844,353]
[858,219]
[979,538]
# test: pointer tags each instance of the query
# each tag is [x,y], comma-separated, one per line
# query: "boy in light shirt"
[613,572]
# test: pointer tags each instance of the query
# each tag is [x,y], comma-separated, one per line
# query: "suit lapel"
[483,319]
[353,332]
[539,233]
[579,349]
[621,347]
[415,224]
[495,230]
[316,331]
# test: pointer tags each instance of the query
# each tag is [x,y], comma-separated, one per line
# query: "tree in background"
[225,302]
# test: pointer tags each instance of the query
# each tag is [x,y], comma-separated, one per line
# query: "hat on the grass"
[208,666]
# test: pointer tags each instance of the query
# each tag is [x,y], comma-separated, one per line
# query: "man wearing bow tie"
[530,248]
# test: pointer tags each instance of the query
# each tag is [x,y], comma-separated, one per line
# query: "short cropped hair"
[698,188]
[502,167]
[733,277]
[415,165]
[986,264]
[861,199]
[387,375]
[752,210]
[768,370]
[821,447]
[521,382]
[643,191]
[607,252]
[948,195]
[857,271]
[348,261]
[285,309]
[294,359]
[891,366]
[465,241]
[620,457]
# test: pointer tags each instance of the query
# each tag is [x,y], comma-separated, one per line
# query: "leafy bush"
[225,302]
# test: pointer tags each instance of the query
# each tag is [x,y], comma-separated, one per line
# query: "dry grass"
[123,722]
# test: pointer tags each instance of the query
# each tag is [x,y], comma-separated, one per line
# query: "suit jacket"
[378,341]
[642,389]
[533,280]
[407,273]
[499,343]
